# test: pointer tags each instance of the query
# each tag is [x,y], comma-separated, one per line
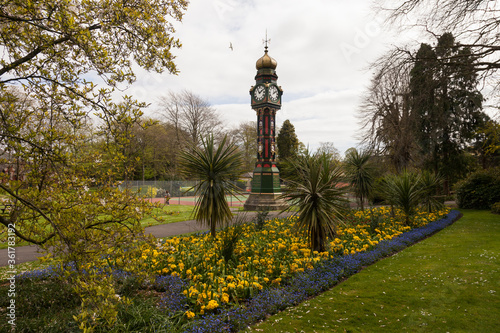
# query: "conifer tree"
[287,141]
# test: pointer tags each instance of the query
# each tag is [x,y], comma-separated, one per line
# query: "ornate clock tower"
[266,101]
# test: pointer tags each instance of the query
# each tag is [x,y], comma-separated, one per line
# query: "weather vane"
[266,41]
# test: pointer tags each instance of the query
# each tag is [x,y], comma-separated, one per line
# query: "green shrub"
[377,195]
[241,184]
[480,190]
[261,218]
[495,208]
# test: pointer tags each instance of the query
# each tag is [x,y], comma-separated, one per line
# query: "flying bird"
[231,46]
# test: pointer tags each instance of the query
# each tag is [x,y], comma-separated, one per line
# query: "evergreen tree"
[287,141]
[446,104]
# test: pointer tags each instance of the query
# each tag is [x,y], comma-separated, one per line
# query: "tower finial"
[266,41]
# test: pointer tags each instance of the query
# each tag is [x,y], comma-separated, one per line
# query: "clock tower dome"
[266,101]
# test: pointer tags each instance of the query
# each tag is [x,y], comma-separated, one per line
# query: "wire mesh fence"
[181,191]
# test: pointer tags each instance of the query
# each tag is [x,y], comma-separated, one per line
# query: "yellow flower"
[189,314]
[212,305]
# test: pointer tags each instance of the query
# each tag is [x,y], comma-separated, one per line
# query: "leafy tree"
[154,151]
[214,167]
[287,141]
[321,203]
[487,146]
[423,112]
[359,173]
[59,203]
[288,148]
[51,52]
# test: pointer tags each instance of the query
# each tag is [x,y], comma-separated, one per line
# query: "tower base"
[265,201]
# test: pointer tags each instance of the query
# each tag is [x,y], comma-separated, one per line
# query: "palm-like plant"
[359,173]
[403,191]
[214,167]
[430,183]
[321,203]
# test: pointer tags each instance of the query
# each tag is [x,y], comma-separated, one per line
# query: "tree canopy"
[61,61]
[192,116]
[423,111]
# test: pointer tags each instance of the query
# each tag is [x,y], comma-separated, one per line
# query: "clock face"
[259,93]
[274,93]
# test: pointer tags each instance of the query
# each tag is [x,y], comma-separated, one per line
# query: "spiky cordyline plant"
[321,202]
[359,173]
[431,183]
[404,191]
[214,167]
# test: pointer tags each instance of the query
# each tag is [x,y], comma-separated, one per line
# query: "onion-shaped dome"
[266,62]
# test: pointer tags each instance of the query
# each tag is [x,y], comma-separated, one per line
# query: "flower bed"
[311,282]
[244,260]
[248,272]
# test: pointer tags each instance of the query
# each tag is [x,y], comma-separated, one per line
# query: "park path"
[31,252]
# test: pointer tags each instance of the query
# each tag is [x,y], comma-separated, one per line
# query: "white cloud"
[322,48]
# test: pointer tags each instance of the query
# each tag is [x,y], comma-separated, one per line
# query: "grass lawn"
[449,282]
[169,214]
[164,215]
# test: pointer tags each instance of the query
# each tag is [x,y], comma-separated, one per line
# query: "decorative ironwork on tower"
[266,101]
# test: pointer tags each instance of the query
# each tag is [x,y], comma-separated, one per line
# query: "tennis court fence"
[181,191]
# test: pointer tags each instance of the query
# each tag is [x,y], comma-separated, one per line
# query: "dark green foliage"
[374,222]
[446,105]
[359,173]
[495,208]
[228,239]
[321,203]
[215,167]
[404,191]
[41,306]
[377,194]
[480,190]
[431,184]
[287,141]
[128,286]
[261,219]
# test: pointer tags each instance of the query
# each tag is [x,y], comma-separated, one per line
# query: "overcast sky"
[323,49]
